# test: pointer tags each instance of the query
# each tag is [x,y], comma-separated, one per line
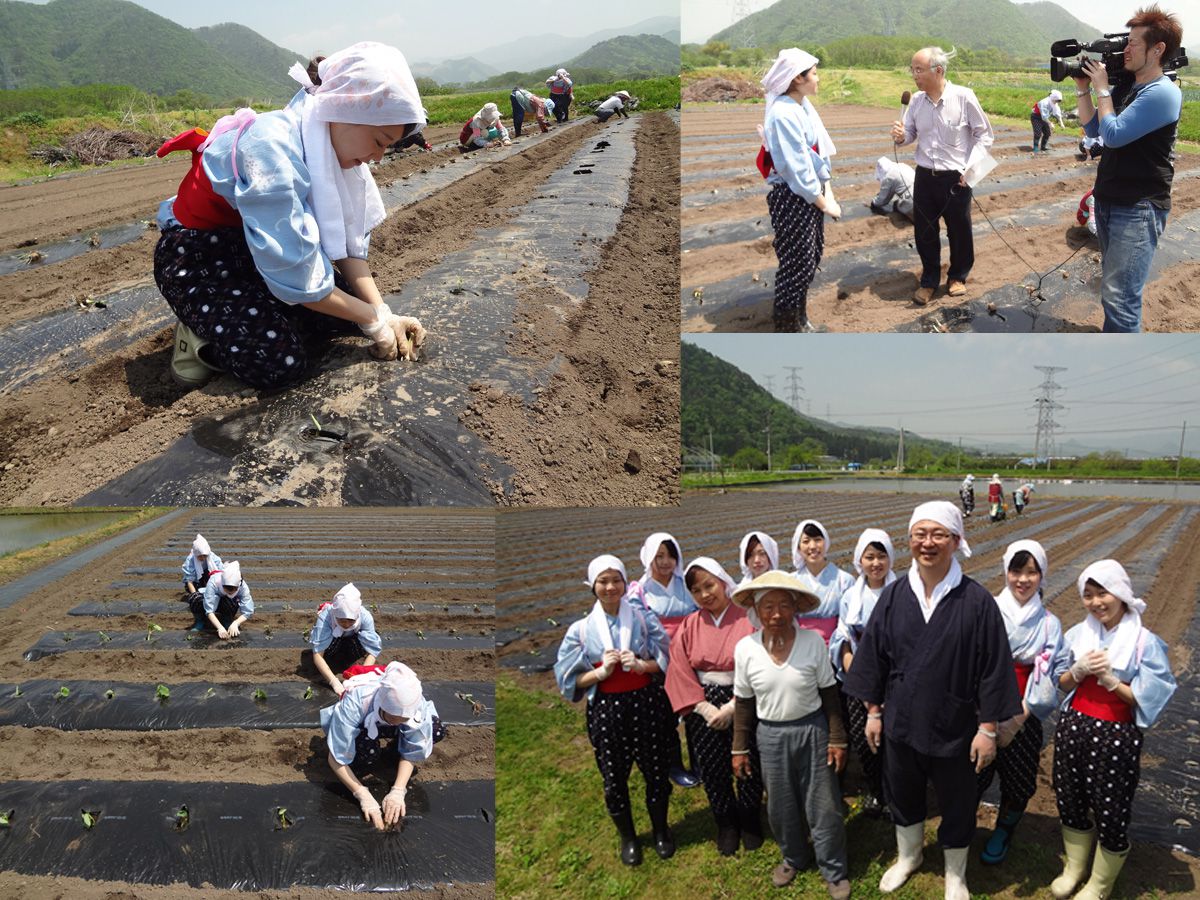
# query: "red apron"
[197,205]
[1092,699]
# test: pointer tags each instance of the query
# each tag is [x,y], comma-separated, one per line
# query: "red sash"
[197,205]
[620,681]
[1023,672]
[1092,699]
[361,670]
[464,136]
[1037,112]
[824,626]
[671,624]
[765,164]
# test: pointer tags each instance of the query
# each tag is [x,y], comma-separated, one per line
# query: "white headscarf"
[347,604]
[601,564]
[1014,612]
[788,64]
[715,569]
[797,559]
[769,544]
[489,114]
[945,514]
[1111,575]
[650,550]
[232,575]
[883,165]
[365,84]
[200,546]
[398,694]
[562,73]
[859,600]
[597,618]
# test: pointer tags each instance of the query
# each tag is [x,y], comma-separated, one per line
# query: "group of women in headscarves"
[375,702]
[754,670]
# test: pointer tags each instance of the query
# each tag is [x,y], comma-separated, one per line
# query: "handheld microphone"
[904,98]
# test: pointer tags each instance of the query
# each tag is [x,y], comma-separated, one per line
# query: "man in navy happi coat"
[935,671]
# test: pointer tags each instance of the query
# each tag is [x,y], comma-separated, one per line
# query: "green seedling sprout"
[267,632]
[6,818]
[63,693]
[67,637]
[420,635]
[308,692]
[104,638]
[285,821]
[475,608]
[162,693]
[287,607]
[551,621]
[477,708]
[17,691]
[305,633]
[209,693]
[316,422]
[182,819]
[109,694]
[260,696]
[151,630]
[89,818]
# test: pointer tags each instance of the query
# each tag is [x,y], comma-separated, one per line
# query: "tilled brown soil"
[605,429]
[1169,301]
[248,756]
[67,433]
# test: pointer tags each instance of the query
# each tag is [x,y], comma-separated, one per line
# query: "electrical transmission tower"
[770,380]
[741,9]
[1046,405]
[793,380]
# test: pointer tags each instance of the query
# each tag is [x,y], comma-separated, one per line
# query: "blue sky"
[422,31]
[703,18]
[1121,392]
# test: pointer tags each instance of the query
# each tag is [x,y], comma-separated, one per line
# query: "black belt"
[938,173]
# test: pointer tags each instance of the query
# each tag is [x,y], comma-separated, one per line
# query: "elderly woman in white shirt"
[783,683]
[798,171]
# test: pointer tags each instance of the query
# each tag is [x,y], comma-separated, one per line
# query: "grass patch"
[18,563]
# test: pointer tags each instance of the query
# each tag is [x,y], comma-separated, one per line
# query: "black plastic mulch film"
[485,612]
[235,837]
[87,706]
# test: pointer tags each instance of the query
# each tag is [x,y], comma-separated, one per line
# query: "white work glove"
[1080,669]
[370,807]
[393,805]
[706,711]
[410,335]
[233,629]
[723,719]
[1102,669]
[336,684]
[381,333]
[631,663]
[611,659]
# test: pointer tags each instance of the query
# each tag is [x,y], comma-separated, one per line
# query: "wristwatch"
[1083,93]
[1104,93]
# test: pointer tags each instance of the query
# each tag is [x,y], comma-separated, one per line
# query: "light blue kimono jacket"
[191,570]
[346,719]
[322,633]
[213,592]
[1150,678]
[581,649]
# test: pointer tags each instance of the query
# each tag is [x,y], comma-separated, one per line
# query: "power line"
[1046,406]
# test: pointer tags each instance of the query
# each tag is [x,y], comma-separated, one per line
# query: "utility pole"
[712,460]
[958,461]
[768,431]
[900,452]
[794,384]
[1179,459]
[1046,405]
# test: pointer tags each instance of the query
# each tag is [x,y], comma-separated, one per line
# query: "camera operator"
[1133,180]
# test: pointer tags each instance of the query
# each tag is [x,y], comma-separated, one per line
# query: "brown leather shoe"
[783,875]
[956,289]
[839,890]
[922,296]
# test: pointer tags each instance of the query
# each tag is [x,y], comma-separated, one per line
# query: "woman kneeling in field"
[343,634]
[271,205]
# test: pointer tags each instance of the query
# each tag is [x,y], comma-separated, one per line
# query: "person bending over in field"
[377,704]
[484,129]
[226,603]
[264,247]
[343,634]
[198,566]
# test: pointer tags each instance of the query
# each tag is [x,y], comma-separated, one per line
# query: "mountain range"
[1021,30]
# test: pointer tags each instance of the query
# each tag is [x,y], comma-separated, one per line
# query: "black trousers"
[872,763]
[799,243]
[1041,131]
[343,652]
[711,755]
[627,728]
[518,112]
[1097,765]
[562,105]
[905,774]
[227,609]
[1017,766]
[936,197]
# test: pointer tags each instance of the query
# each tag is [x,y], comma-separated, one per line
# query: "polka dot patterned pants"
[799,242]
[343,652]
[1096,770]
[627,728]
[1017,766]
[872,763]
[210,281]
[711,754]
[226,611]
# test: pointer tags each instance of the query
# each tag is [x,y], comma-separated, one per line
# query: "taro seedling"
[90,817]
[94,240]
[267,632]
[477,708]
[209,693]
[104,638]
[63,693]
[182,818]
[551,621]
[305,633]
[411,608]
[283,820]
[6,818]
[32,257]
[67,637]
[260,696]
[109,694]
[308,692]
[17,691]
[420,635]
[316,423]
[151,630]
[162,693]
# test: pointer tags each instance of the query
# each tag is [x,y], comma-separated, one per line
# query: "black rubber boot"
[727,835]
[751,820]
[631,850]
[664,843]
[788,321]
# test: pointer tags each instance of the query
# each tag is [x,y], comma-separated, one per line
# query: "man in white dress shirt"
[952,134]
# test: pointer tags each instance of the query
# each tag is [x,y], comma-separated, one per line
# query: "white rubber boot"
[956,873]
[909,840]
[1078,848]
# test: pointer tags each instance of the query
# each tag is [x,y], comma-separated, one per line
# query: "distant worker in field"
[1133,180]
[416,138]
[996,507]
[562,91]
[484,129]
[524,102]
[198,567]
[264,248]
[895,188]
[1021,497]
[613,106]
[796,161]
[226,603]
[386,703]
[952,134]
[344,633]
[966,493]
[1040,117]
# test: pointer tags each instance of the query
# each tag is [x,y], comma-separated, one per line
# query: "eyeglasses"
[938,537]
[912,71]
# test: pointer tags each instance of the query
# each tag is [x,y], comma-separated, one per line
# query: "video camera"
[1111,49]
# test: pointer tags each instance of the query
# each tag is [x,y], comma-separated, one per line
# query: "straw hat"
[806,601]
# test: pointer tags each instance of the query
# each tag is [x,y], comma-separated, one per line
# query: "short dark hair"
[804,74]
[811,530]
[312,69]
[689,577]
[671,551]
[1160,26]
[750,545]
[1021,559]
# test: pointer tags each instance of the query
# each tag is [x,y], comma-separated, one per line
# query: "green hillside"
[634,56]
[717,395]
[76,42]
[1024,32]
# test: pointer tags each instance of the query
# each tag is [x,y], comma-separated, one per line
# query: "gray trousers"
[801,787]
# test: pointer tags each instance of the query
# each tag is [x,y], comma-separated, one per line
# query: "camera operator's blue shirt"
[1151,106]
